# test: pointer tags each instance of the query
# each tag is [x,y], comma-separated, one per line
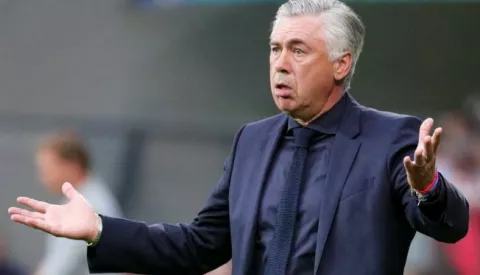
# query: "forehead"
[307,28]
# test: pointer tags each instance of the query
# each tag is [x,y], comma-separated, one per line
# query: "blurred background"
[158,89]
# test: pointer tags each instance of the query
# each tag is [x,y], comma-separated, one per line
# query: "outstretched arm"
[131,246]
[195,248]
[444,213]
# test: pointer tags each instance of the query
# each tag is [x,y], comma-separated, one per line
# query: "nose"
[282,63]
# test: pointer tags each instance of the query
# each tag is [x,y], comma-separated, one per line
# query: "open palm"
[74,220]
[422,169]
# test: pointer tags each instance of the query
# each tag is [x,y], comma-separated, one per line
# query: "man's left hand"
[422,170]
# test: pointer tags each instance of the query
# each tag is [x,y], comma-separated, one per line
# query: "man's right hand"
[75,220]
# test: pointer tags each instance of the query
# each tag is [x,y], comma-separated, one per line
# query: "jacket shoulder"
[385,121]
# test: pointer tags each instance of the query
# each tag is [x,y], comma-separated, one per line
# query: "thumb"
[69,191]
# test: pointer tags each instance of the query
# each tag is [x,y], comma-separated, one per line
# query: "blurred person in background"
[459,157]
[455,160]
[7,267]
[64,157]
[423,258]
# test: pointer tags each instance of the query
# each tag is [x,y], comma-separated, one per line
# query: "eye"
[298,51]
[275,49]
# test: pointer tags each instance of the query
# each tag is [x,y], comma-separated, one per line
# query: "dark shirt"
[10,269]
[303,251]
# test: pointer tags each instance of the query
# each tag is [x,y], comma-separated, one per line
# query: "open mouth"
[282,87]
[283,91]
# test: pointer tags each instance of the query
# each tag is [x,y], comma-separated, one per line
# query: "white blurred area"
[459,161]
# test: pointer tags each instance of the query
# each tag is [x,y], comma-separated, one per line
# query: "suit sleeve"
[195,248]
[445,217]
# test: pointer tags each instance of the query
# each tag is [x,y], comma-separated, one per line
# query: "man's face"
[301,74]
[51,169]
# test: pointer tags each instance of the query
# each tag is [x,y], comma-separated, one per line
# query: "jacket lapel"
[344,151]
[266,150]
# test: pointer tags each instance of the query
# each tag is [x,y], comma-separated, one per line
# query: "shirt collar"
[328,122]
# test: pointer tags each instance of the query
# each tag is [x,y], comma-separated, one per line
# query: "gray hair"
[344,31]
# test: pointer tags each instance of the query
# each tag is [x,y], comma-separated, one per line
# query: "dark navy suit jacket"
[368,215]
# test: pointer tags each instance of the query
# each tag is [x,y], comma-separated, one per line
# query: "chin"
[286,105]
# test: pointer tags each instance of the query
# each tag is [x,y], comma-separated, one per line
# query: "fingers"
[408,163]
[436,139]
[428,145]
[33,223]
[38,206]
[428,148]
[69,191]
[419,157]
[19,218]
[425,128]
[40,224]
[25,213]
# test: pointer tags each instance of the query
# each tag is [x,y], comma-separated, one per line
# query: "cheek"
[319,77]
[271,74]
[307,80]
[49,173]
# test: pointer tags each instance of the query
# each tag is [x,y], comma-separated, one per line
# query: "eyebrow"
[293,41]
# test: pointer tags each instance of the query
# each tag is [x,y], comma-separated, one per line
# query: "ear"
[342,66]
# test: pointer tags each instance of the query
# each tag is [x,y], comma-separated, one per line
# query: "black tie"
[281,244]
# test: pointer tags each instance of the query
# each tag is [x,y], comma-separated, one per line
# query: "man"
[61,158]
[323,188]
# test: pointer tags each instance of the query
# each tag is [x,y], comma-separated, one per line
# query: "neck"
[332,99]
